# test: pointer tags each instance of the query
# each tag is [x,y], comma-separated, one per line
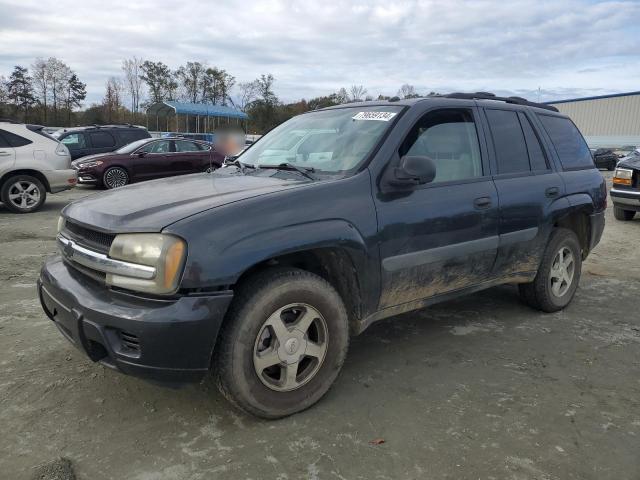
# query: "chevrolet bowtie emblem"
[68,250]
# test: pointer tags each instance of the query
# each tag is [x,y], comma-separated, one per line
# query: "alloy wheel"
[24,194]
[290,347]
[562,272]
[115,178]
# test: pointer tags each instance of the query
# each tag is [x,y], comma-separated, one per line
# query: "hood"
[151,206]
[88,158]
[630,161]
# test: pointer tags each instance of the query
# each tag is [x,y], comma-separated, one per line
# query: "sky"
[542,50]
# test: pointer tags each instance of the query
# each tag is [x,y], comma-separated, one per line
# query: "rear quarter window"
[568,142]
[14,140]
[130,136]
[102,140]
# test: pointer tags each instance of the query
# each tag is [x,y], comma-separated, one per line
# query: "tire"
[23,193]
[248,339]
[553,288]
[115,177]
[623,215]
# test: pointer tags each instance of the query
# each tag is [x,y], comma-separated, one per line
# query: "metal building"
[607,120]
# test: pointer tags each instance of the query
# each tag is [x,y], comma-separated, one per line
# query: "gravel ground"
[478,388]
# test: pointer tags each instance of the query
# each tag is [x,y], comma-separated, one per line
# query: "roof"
[600,97]
[169,107]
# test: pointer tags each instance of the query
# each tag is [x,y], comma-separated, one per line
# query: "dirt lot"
[478,388]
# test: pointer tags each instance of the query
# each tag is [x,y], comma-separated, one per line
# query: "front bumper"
[60,180]
[160,340]
[626,199]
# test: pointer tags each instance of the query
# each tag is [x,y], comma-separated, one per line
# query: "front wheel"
[622,214]
[282,344]
[23,194]
[558,276]
[115,177]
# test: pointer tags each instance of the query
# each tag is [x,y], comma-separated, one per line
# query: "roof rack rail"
[492,96]
[8,120]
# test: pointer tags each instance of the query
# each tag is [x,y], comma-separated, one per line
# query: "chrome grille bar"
[101,262]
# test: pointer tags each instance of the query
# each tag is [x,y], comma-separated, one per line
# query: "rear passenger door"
[527,186]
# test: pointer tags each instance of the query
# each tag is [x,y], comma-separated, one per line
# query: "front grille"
[88,237]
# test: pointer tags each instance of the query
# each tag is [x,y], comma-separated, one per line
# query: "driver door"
[156,160]
[441,236]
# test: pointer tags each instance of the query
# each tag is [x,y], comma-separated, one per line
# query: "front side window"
[102,140]
[508,141]
[568,142]
[333,141]
[449,138]
[185,146]
[75,141]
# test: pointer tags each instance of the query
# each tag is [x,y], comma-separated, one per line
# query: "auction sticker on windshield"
[380,116]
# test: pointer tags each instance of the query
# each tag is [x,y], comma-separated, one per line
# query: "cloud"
[312,48]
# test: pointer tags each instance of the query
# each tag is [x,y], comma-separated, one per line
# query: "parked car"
[625,192]
[605,158]
[262,271]
[145,160]
[83,141]
[32,163]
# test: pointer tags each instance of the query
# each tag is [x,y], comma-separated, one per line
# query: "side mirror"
[414,170]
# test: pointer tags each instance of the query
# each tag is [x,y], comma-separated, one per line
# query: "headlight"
[164,252]
[90,164]
[60,223]
[623,176]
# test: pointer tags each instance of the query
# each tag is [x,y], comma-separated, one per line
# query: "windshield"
[130,148]
[331,141]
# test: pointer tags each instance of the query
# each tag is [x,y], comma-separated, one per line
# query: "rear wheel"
[624,215]
[282,344]
[558,276]
[23,194]
[115,177]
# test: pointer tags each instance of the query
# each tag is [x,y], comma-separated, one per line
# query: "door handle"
[4,154]
[552,192]
[482,203]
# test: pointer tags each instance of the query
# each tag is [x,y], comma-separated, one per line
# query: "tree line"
[50,93]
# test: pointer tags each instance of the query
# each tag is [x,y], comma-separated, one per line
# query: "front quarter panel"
[225,242]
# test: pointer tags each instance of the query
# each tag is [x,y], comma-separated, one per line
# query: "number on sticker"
[380,116]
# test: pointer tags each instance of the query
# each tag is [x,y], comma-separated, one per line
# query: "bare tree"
[112,101]
[342,95]
[132,68]
[58,74]
[248,93]
[407,91]
[357,93]
[40,76]
[191,78]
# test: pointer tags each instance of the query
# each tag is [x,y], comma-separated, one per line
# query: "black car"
[262,270]
[83,141]
[605,158]
[625,192]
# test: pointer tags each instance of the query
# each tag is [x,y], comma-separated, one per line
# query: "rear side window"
[102,140]
[186,146]
[537,158]
[508,141]
[129,136]
[13,140]
[75,141]
[568,142]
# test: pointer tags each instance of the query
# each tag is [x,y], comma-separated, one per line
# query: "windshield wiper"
[306,171]
[237,163]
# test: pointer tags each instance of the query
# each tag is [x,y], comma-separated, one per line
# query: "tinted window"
[102,140]
[537,158]
[129,136]
[161,146]
[508,141]
[14,140]
[568,142]
[74,141]
[185,146]
[450,139]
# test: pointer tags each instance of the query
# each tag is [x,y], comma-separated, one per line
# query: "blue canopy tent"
[193,118]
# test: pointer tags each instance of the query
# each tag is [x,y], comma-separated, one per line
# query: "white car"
[32,163]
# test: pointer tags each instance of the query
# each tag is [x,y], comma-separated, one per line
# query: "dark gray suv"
[83,141]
